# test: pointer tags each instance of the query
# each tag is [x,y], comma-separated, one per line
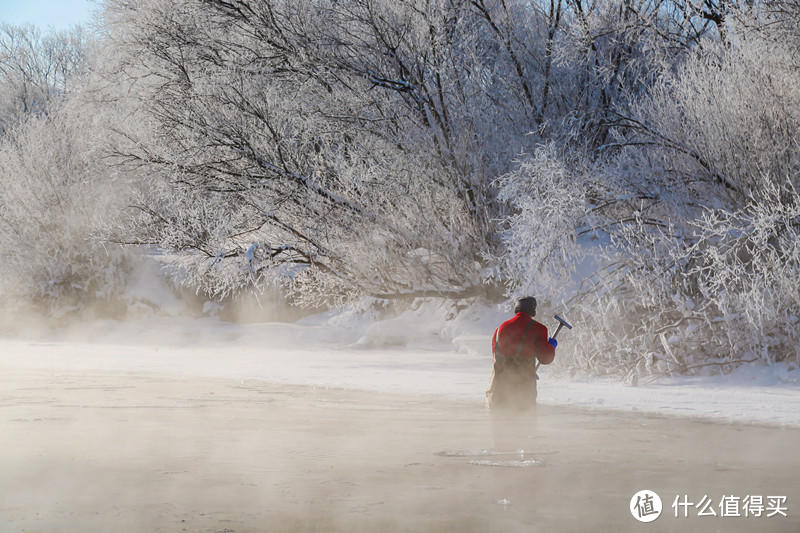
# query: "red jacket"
[534,343]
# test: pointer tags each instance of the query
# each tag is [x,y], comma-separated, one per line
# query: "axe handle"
[560,325]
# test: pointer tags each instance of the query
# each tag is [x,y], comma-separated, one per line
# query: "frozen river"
[118,450]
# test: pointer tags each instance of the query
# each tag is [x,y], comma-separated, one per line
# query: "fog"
[109,451]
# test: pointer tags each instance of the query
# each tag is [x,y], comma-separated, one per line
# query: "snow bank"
[755,395]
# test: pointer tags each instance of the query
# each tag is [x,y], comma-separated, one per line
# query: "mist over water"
[101,451]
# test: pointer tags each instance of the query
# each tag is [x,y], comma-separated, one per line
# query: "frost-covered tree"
[58,195]
[351,148]
[692,200]
[36,69]
[56,198]
[716,146]
[344,148]
[548,196]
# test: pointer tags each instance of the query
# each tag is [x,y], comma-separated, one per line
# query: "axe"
[561,324]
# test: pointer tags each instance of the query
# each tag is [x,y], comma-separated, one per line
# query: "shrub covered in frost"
[695,199]
[540,237]
[55,199]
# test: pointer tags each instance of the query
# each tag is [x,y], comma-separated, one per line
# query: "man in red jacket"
[516,345]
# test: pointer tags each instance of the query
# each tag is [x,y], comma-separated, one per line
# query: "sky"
[58,14]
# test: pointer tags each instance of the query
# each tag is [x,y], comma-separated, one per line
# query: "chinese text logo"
[645,506]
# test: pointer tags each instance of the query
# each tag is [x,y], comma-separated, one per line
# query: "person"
[516,346]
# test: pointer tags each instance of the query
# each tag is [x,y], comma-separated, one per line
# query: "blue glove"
[553,342]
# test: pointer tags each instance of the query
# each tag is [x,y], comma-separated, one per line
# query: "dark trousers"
[512,388]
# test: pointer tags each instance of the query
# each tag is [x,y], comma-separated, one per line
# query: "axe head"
[563,322]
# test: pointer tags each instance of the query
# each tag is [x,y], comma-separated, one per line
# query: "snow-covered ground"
[415,353]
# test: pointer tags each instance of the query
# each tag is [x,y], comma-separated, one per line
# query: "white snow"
[411,354]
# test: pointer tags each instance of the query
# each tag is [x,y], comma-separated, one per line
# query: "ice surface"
[510,459]
[478,453]
[518,463]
